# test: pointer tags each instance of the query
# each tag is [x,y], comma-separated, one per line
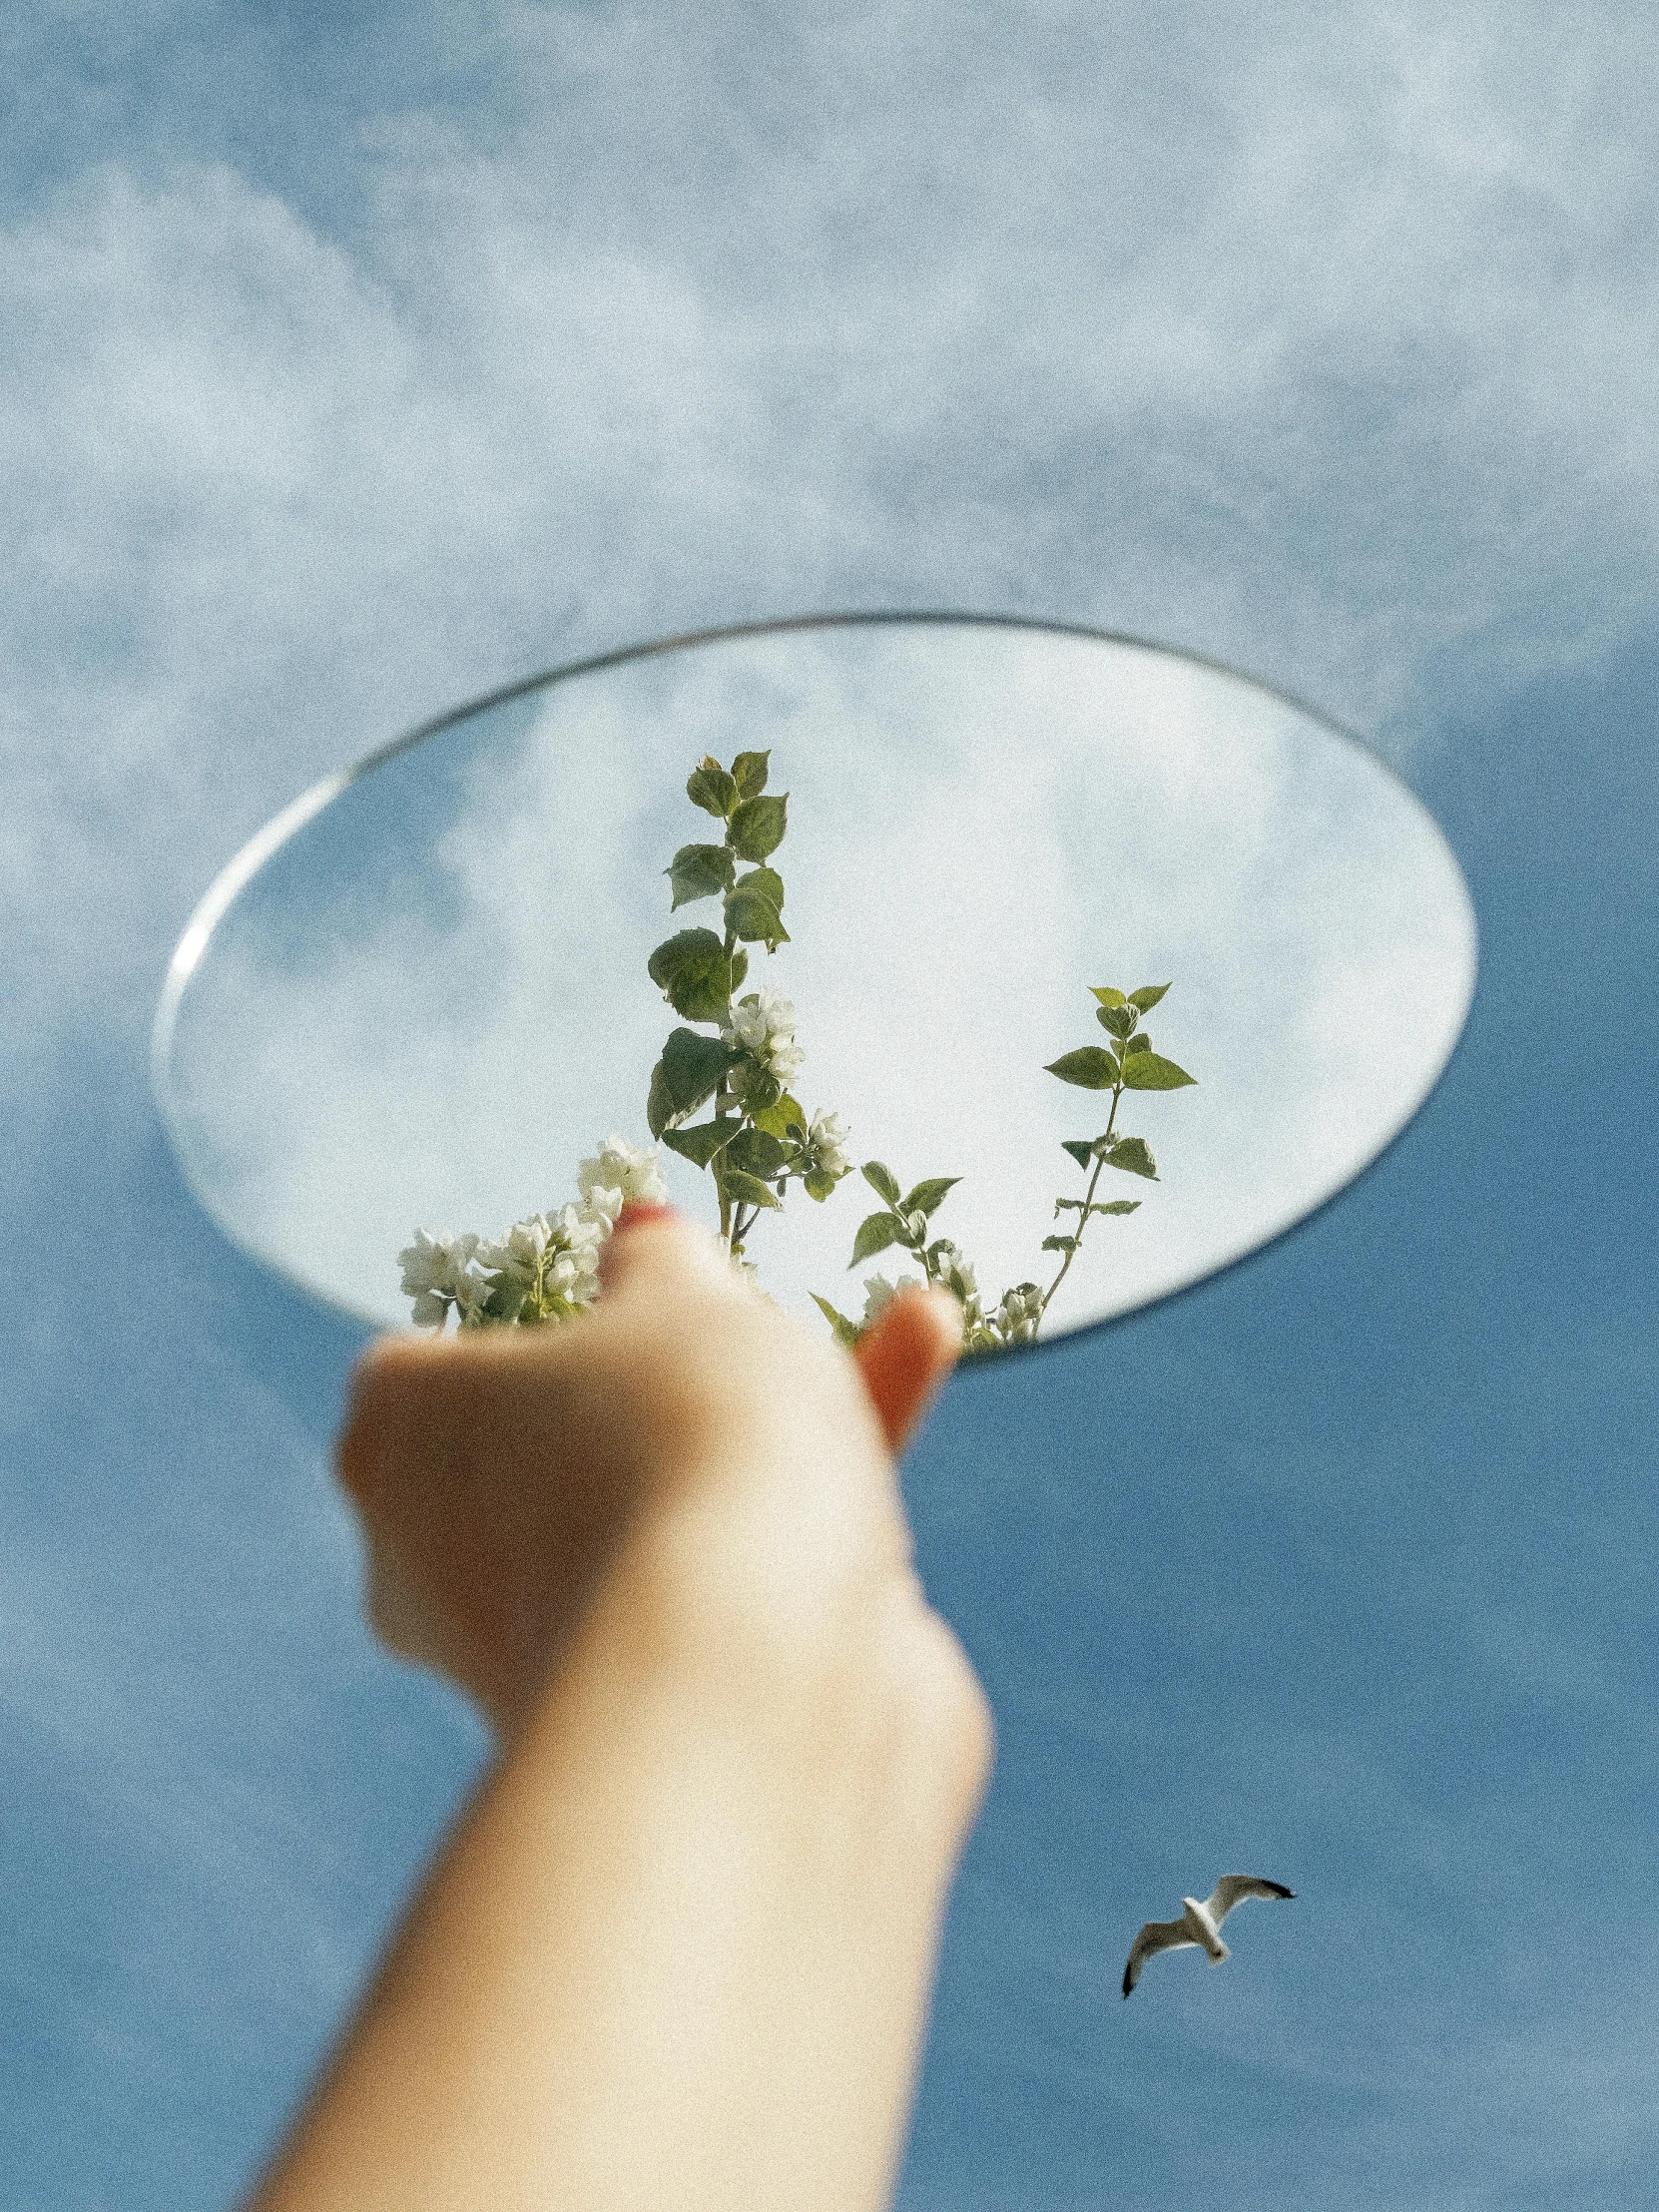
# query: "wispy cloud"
[1326,349]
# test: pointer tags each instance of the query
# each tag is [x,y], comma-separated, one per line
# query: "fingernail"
[640,1210]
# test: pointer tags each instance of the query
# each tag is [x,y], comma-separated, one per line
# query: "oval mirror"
[420,997]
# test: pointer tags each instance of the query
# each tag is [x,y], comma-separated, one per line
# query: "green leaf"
[1108,997]
[506,1299]
[1134,1156]
[700,872]
[693,974]
[926,1198]
[692,1067]
[1120,1020]
[881,1180]
[846,1332]
[767,881]
[1117,1206]
[775,1119]
[1059,1244]
[740,969]
[749,1188]
[819,1184]
[659,1104]
[1091,1068]
[757,1153]
[1140,1042]
[749,773]
[875,1233]
[702,1143]
[1147,996]
[756,827]
[759,1092]
[750,915]
[710,788]
[1081,1150]
[1148,1071]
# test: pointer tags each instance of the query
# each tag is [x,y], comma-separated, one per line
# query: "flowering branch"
[760,1136]
[904,1222]
[738,1057]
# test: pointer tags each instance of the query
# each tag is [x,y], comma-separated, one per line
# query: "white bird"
[1199,1923]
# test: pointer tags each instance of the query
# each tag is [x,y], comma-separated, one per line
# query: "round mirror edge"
[852,618]
[209,911]
[291,819]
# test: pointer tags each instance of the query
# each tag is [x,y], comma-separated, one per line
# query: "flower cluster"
[762,1025]
[617,1174]
[546,1268]
[827,1137]
[437,1274]
[1015,1320]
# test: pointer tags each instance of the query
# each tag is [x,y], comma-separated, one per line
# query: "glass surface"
[420,997]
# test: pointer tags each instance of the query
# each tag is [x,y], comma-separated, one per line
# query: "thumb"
[906,1354]
[653,1248]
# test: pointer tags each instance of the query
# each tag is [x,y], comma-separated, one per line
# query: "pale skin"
[678,1951]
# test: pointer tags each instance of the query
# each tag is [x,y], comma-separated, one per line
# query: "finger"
[399,1393]
[653,1250]
[906,1354]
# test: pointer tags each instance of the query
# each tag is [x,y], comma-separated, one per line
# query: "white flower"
[580,1234]
[747,1027]
[617,1174]
[601,1205]
[827,1135]
[519,1253]
[877,1292]
[432,1263]
[1019,1315]
[764,1024]
[470,1292]
[957,1273]
[434,1274]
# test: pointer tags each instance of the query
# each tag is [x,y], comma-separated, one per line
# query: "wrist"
[841,1681]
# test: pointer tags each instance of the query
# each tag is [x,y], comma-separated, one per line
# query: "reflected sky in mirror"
[425,1001]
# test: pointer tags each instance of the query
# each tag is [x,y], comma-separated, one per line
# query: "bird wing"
[1232,1888]
[1155,1936]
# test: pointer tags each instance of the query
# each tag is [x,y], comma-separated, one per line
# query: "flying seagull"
[1199,1923]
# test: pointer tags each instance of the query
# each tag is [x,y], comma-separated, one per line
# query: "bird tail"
[1222,1952]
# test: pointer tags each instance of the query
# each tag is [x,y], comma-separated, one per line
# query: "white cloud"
[1328,347]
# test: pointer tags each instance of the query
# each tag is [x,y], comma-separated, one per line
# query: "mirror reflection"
[1049,921]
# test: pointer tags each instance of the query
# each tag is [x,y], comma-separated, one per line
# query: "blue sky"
[355,365]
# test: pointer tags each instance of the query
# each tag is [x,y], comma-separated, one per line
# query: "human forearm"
[679,1952]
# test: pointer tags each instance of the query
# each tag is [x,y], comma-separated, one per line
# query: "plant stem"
[1066,1258]
[723,1098]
